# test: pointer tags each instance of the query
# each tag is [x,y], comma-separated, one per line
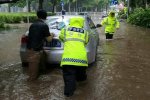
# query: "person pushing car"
[74,59]
[38,33]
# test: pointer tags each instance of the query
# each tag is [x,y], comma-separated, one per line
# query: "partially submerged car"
[54,49]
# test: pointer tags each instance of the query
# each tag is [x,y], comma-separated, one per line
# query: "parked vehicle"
[54,49]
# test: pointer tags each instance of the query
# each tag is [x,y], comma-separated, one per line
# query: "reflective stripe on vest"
[74,39]
[74,60]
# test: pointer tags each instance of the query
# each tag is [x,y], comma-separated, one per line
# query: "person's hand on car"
[49,38]
[52,34]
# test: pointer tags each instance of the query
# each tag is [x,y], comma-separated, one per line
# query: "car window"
[57,23]
[60,25]
[90,22]
[51,20]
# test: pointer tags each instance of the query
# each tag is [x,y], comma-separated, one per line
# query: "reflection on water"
[120,73]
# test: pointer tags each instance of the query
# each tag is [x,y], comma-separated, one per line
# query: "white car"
[54,49]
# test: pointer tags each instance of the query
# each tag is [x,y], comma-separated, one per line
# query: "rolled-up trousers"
[33,58]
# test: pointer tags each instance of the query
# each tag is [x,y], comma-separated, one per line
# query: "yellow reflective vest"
[125,10]
[111,23]
[75,40]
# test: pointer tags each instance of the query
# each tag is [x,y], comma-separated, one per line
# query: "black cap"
[42,14]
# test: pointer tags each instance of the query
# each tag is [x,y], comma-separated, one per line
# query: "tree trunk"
[69,6]
[9,8]
[106,8]
[29,6]
[146,5]
[76,8]
[53,8]
[40,4]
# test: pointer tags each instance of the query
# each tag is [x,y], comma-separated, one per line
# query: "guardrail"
[78,13]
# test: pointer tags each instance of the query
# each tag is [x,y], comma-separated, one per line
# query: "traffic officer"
[125,9]
[74,59]
[111,23]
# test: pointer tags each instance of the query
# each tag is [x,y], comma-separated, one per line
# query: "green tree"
[23,3]
[40,4]
[139,3]
[54,3]
[69,2]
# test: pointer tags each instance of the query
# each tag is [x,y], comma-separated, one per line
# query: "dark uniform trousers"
[109,36]
[34,59]
[71,74]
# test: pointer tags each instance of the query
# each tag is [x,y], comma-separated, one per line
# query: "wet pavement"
[121,72]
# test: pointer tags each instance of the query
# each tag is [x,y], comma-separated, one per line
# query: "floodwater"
[121,71]
[9,44]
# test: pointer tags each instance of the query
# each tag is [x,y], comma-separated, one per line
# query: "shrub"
[18,17]
[3,26]
[32,18]
[140,17]
[122,15]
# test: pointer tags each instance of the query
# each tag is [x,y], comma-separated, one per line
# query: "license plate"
[54,43]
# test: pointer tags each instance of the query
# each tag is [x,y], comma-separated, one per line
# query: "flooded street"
[9,45]
[121,72]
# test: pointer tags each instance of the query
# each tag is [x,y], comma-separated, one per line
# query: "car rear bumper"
[23,53]
[53,56]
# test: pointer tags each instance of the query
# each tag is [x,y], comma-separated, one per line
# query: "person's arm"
[103,21]
[49,36]
[61,35]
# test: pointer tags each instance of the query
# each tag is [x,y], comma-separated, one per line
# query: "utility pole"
[27,4]
[76,5]
[62,4]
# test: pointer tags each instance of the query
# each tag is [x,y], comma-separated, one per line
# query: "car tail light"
[24,39]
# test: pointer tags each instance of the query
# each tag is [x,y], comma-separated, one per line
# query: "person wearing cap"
[74,59]
[111,24]
[38,33]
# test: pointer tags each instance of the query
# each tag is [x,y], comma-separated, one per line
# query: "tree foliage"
[84,4]
[21,3]
[54,3]
[139,3]
[140,17]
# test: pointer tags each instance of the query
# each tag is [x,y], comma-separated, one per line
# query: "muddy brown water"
[121,72]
